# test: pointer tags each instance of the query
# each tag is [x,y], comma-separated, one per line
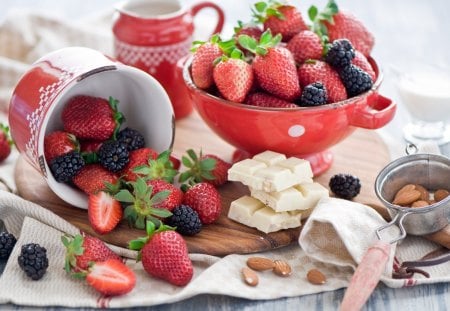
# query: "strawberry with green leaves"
[205,200]
[280,18]
[141,204]
[174,198]
[5,142]
[233,76]
[104,212]
[159,168]
[273,66]
[59,143]
[164,254]
[204,168]
[138,158]
[334,24]
[82,250]
[89,117]
[93,178]
[205,53]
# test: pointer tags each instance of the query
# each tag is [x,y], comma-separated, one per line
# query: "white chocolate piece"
[253,213]
[270,171]
[299,197]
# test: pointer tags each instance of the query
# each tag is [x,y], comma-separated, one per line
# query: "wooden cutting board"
[362,154]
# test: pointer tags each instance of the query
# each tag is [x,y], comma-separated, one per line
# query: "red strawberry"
[159,168]
[175,162]
[205,200]
[248,29]
[90,145]
[82,250]
[138,157]
[361,61]
[5,142]
[164,255]
[280,19]
[265,100]
[202,62]
[173,199]
[104,212]
[319,71]
[90,117]
[111,277]
[233,78]
[204,168]
[58,143]
[93,178]
[305,45]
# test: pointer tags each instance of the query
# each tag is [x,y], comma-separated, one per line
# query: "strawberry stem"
[119,118]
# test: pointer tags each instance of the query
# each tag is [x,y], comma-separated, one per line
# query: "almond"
[406,197]
[440,194]
[282,268]
[420,203]
[424,194]
[316,277]
[249,276]
[260,263]
[405,188]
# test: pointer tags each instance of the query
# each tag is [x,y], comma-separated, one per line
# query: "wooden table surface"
[405,31]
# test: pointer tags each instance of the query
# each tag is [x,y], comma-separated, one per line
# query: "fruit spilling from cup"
[277,60]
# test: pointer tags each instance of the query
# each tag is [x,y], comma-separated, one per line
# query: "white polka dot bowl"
[42,92]
[305,132]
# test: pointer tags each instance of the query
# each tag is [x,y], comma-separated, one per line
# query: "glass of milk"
[425,92]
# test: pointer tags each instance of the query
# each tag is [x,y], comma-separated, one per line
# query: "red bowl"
[304,132]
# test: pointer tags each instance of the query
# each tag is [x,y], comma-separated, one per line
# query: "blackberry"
[355,80]
[185,219]
[33,260]
[132,138]
[7,242]
[113,155]
[340,54]
[345,186]
[66,166]
[314,94]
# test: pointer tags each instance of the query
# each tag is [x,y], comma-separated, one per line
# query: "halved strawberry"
[93,178]
[111,277]
[59,143]
[104,212]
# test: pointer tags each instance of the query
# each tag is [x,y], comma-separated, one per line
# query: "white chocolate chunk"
[270,171]
[253,213]
[299,197]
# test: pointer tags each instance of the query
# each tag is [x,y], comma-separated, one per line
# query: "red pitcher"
[153,35]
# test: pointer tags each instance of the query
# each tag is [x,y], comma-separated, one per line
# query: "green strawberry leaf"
[192,154]
[140,222]
[207,164]
[207,175]
[248,43]
[312,12]
[260,6]
[160,212]
[159,197]
[184,176]
[186,162]
[138,244]
[124,196]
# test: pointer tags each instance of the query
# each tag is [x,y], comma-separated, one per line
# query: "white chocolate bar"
[253,213]
[270,171]
[299,197]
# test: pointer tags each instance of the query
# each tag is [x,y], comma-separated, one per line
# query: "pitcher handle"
[220,14]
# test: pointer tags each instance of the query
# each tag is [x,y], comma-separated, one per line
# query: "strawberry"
[280,18]
[202,62]
[233,78]
[111,277]
[138,157]
[59,143]
[81,250]
[205,200]
[361,61]
[305,45]
[319,71]
[204,168]
[93,178]
[273,66]
[266,100]
[176,163]
[338,24]
[175,194]
[90,117]
[90,146]
[159,168]
[251,30]
[5,142]
[164,255]
[141,204]
[104,212]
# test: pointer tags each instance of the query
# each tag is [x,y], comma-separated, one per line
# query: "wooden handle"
[366,276]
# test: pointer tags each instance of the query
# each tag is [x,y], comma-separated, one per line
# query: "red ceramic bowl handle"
[377,113]
[220,15]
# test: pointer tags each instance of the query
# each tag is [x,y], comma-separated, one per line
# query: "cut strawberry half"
[111,277]
[104,212]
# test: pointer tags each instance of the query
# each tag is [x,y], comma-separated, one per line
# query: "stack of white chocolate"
[282,191]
